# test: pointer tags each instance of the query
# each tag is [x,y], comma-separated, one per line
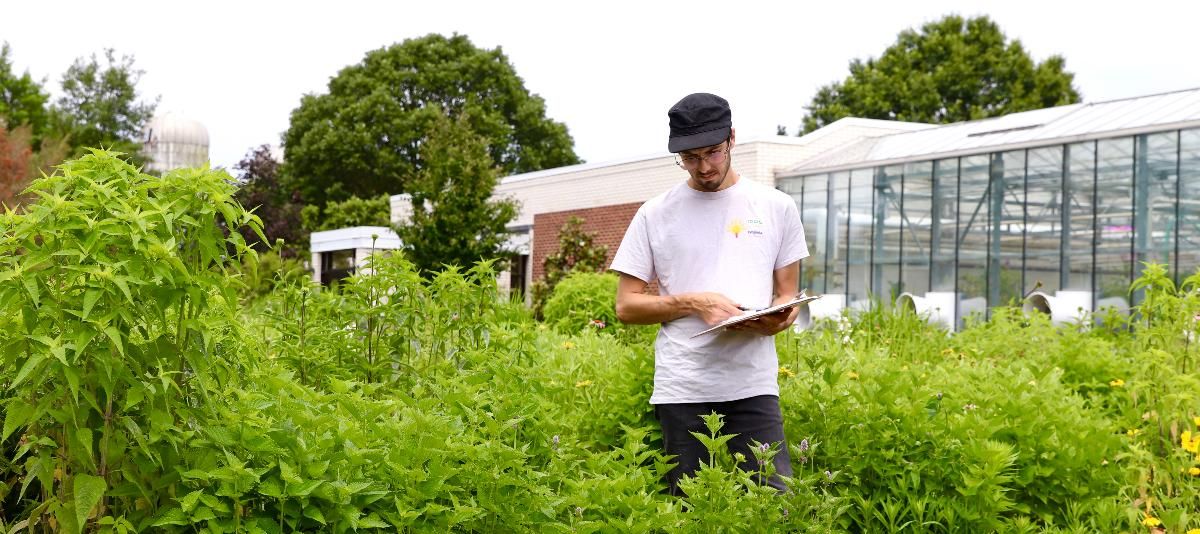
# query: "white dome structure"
[172,141]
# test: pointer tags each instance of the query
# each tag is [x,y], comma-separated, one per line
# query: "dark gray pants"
[752,419]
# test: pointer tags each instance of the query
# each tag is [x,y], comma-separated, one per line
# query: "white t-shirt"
[729,242]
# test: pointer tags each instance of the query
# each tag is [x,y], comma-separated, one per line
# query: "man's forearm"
[641,308]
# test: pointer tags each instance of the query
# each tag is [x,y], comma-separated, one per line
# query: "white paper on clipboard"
[800,299]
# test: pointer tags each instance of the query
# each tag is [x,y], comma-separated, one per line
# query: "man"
[718,245]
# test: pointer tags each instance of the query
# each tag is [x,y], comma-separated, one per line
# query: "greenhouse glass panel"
[859,238]
[889,188]
[839,236]
[973,236]
[1043,219]
[1189,203]
[1155,190]
[1080,198]
[943,220]
[1008,254]
[814,214]
[915,217]
[1114,221]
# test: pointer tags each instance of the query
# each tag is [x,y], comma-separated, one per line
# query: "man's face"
[707,167]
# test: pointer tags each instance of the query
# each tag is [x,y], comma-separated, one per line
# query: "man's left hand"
[769,325]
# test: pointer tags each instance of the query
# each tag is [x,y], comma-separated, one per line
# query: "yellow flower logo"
[736,227]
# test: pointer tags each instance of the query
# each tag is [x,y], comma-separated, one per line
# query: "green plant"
[121,283]
[587,301]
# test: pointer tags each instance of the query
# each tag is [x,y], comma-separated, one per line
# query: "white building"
[172,141]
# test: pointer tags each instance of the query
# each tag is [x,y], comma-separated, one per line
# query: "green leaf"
[16,415]
[188,502]
[88,491]
[31,364]
[84,437]
[134,396]
[314,513]
[89,301]
[171,516]
[115,335]
[31,287]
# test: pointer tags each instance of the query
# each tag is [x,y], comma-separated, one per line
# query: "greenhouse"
[1062,204]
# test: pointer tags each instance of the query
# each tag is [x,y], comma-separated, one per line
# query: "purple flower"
[554,442]
[828,474]
[804,445]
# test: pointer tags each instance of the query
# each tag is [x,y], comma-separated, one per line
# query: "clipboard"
[800,299]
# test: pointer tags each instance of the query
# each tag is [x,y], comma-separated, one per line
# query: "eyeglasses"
[715,156]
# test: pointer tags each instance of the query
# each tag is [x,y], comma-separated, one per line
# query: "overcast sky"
[608,70]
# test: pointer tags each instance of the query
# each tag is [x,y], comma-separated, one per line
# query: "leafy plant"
[119,281]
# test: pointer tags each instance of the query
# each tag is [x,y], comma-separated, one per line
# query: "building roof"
[1062,124]
[849,123]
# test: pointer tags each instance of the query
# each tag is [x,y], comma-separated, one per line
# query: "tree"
[16,159]
[364,137]
[953,70]
[278,207]
[353,211]
[22,101]
[100,105]
[455,220]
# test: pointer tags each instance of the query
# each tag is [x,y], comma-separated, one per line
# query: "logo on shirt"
[754,227]
[736,227]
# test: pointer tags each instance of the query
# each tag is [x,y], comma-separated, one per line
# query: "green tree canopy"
[954,69]
[22,101]
[100,105]
[354,211]
[363,138]
[455,220]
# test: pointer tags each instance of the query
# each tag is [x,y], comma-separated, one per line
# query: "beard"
[716,181]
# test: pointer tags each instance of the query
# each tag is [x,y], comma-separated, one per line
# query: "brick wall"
[606,223]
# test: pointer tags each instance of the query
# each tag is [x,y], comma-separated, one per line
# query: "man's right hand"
[713,308]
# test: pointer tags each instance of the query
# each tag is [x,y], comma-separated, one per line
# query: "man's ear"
[732,136]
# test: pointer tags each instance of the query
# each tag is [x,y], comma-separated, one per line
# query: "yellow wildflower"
[1117,383]
[1194,471]
[853,375]
[784,371]
[1151,521]
[1189,443]
[1197,421]
[568,345]
[583,383]
[1133,432]
[1194,531]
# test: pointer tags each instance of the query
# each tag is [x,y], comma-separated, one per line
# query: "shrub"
[587,301]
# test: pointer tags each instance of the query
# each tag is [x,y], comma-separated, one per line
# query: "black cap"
[699,120]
